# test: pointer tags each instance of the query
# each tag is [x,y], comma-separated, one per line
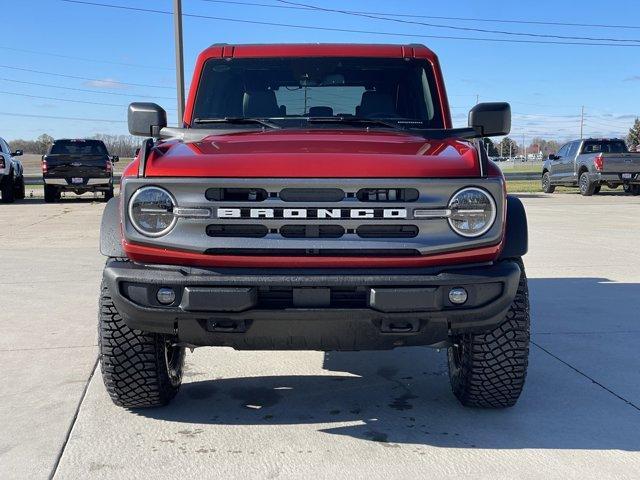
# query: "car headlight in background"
[151,211]
[473,212]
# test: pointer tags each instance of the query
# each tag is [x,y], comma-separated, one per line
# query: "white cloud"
[105,83]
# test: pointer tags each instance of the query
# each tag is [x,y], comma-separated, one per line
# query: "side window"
[3,146]
[573,148]
[563,151]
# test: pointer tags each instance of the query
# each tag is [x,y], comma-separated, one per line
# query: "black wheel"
[488,370]
[20,189]
[587,187]
[634,190]
[597,190]
[139,369]
[108,195]
[8,189]
[546,183]
[51,194]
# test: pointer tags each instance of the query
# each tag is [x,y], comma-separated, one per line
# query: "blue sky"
[113,48]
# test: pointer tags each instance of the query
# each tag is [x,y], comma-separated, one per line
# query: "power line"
[53,117]
[345,30]
[606,125]
[97,92]
[63,75]
[120,105]
[83,59]
[462,19]
[62,99]
[454,27]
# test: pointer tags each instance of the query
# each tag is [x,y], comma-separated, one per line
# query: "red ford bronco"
[316,197]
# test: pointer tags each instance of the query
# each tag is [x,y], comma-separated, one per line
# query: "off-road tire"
[139,369]
[597,190]
[488,370]
[634,189]
[8,189]
[546,183]
[586,186]
[20,189]
[51,194]
[108,194]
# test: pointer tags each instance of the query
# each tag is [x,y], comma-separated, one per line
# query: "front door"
[555,167]
[566,170]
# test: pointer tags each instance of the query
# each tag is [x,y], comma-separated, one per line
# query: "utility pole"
[524,147]
[581,122]
[177,28]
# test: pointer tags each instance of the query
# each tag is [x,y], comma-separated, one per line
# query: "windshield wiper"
[354,121]
[236,121]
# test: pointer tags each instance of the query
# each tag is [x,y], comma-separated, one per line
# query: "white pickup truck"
[11,174]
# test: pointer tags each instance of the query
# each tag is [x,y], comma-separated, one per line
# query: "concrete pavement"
[334,415]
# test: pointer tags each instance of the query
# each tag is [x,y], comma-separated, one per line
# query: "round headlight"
[473,212]
[151,211]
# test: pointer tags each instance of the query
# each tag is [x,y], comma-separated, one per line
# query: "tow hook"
[410,325]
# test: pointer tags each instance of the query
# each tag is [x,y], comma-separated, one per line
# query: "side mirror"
[146,119]
[115,158]
[553,156]
[17,153]
[491,119]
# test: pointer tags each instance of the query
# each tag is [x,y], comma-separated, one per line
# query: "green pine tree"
[633,138]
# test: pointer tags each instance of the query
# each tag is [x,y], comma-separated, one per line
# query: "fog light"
[458,295]
[166,296]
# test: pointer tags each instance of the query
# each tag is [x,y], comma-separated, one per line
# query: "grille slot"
[314,252]
[242,231]
[312,231]
[387,195]
[341,297]
[387,231]
[236,194]
[312,195]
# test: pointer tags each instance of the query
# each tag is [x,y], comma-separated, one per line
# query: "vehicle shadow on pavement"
[403,396]
[40,201]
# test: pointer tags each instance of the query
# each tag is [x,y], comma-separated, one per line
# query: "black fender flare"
[516,237]
[110,230]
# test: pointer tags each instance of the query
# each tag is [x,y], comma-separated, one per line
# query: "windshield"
[604,146]
[78,147]
[394,89]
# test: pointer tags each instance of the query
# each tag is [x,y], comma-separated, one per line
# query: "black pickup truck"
[77,166]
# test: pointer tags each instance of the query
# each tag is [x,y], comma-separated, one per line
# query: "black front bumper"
[312,310]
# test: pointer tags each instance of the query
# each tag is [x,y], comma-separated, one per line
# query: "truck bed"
[620,162]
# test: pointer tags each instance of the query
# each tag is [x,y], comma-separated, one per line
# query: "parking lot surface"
[334,415]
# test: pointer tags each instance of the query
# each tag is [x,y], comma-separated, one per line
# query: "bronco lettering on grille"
[315,213]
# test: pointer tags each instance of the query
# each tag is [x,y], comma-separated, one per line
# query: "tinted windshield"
[605,146]
[281,88]
[78,147]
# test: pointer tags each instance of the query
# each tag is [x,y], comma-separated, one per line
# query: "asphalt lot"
[334,415]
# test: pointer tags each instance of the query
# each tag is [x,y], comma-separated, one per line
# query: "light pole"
[177,28]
